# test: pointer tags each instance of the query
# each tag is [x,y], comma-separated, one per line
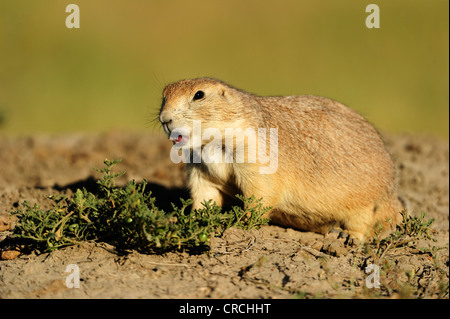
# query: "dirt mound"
[272,262]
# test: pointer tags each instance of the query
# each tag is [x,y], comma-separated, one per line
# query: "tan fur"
[333,168]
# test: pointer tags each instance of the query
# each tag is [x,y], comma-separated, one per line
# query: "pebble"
[334,247]
[9,254]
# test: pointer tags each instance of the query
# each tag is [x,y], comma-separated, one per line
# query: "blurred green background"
[110,73]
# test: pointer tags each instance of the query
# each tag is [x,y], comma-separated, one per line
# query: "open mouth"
[178,139]
[179,136]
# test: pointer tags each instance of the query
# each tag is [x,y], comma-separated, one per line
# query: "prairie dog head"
[209,102]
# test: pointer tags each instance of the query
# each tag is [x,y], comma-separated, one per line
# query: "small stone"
[4,224]
[9,254]
[317,245]
[334,248]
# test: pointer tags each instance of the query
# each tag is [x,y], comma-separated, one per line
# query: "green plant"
[408,232]
[404,242]
[129,217]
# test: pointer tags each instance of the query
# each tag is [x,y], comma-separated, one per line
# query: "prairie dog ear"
[224,91]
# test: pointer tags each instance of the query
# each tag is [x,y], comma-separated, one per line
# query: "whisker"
[153,119]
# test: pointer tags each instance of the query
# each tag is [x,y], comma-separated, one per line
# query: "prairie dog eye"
[199,95]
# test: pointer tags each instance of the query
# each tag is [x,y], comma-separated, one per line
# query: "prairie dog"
[333,170]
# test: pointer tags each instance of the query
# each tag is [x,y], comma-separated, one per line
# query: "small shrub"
[129,217]
[408,232]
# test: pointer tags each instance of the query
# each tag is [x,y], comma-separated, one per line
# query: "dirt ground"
[272,262]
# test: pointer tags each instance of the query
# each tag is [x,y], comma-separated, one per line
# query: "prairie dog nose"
[164,117]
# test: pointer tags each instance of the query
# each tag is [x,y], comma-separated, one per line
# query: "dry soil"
[272,262]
